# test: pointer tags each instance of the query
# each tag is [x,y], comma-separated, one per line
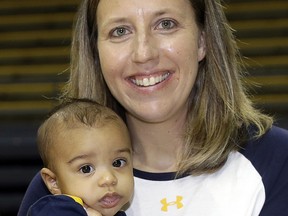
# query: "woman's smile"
[151,80]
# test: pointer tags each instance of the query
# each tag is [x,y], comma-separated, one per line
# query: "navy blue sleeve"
[38,201]
[35,191]
[56,205]
[269,155]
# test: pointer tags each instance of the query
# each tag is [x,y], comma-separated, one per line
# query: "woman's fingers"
[92,212]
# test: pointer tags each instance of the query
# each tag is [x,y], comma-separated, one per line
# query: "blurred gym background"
[35,38]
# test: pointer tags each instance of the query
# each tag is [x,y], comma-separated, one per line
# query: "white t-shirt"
[253,181]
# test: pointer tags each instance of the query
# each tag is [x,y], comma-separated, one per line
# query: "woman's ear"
[50,181]
[201,46]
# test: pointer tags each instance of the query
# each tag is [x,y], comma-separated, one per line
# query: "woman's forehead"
[140,7]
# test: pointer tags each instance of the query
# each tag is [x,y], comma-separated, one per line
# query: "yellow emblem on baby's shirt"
[76,199]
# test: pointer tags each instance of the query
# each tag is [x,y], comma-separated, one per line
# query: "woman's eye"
[119,163]
[86,169]
[166,24]
[118,32]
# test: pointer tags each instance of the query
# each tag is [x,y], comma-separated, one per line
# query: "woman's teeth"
[150,81]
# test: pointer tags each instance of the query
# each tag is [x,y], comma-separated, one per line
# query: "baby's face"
[95,164]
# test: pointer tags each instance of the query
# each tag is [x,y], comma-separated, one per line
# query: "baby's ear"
[50,180]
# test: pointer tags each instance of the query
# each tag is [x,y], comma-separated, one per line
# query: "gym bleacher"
[34,59]
[35,40]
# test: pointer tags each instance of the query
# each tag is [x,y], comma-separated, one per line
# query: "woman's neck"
[156,145]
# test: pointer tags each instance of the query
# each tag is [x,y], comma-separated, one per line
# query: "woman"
[171,69]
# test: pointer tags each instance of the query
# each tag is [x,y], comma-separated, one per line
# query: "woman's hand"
[92,212]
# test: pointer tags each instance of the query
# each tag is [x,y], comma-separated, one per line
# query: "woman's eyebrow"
[114,20]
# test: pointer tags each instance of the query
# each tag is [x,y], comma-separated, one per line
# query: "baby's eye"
[119,163]
[86,169]
[166,24]
[119,31]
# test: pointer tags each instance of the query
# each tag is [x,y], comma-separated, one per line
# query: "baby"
[87,156]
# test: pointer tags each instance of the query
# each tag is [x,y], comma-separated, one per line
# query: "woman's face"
[149,53]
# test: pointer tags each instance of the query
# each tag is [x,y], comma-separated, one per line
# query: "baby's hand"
[92,212]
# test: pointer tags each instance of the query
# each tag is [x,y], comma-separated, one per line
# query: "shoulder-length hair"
[220,112]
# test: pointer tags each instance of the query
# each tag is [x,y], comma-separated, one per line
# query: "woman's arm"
[57,205]
[35,191]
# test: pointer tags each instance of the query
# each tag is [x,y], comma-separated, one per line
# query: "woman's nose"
[107,179]
[144,48]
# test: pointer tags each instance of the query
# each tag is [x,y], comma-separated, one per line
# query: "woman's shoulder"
[275,140]
[269,156]
[276,135]
[273,145]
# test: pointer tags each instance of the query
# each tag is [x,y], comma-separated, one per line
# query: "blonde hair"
[220,113]
[72,113]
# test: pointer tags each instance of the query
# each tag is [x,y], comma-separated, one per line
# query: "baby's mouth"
[110,200]
[150,81]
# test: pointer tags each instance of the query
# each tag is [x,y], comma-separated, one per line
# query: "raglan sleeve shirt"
[255,180]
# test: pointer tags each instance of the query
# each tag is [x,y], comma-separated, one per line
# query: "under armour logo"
[177,203]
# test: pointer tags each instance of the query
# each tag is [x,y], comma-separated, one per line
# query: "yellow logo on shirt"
[176,203]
